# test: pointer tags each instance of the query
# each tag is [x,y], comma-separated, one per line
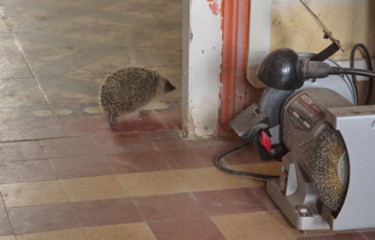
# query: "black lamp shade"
[279,70]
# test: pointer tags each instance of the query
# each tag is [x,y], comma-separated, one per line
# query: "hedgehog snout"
[168,87]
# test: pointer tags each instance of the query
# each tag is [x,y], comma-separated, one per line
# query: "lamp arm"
[354,71]
[315,69]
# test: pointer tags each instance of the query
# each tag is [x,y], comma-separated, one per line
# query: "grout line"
[159,118]
[364,236]
[30,70]
[27,64]
[139,211]
[6,211]
[72,209]
[199,203]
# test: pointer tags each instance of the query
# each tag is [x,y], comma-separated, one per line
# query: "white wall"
[202,48]
[259,37]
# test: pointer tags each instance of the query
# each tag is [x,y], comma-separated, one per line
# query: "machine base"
[304,218]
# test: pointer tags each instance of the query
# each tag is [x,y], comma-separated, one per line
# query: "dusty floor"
[65,174]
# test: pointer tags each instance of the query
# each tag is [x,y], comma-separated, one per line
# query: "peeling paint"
[190,35]
[202,61]
[213,4]
[235,27]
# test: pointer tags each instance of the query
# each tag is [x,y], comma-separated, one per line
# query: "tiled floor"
[66,174]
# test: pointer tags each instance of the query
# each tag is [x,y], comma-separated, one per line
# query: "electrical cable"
[367,57]
[235,172]
[349,81]
[356,71]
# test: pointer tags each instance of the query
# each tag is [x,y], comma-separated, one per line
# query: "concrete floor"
[66,174]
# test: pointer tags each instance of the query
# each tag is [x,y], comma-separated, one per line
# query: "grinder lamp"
[283,69]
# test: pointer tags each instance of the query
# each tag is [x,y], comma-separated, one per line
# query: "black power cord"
[235,172]
[356,71]
[367,57]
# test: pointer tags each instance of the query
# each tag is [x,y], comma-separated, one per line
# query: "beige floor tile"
[258,225]
[93,188]
[32,193]
[152,183]
[132,231]
[1,203]
[10,237]
[166,182]
[205,179]
[13,64]
[268,168]
[71,234]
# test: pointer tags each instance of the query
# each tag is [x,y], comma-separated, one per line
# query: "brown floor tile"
[67,147]
[369,235]
[261,194]
[5,227]
[143,122]
[93,188]
[257,225]
[106,212]
[82,166]
[229,201]
[130,162]
[171,144]
[32,193]
[13,151]
[42,218]
[25,171]
[168,139]
[172,206]
[124,142]
[171,118]
[333,236]
[199,142]
[70,234]
[186,228]
[160,135]
[190,157]
[131,231]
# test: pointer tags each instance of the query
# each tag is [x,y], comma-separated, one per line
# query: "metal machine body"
[308,117]
[305,116]
[272,99]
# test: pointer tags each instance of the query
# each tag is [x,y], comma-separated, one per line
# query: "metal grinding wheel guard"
[293,192]
[357,127]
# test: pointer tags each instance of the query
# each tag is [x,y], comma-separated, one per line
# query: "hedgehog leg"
[112,118]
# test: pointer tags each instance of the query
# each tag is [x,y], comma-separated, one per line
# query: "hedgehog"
[129,89]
